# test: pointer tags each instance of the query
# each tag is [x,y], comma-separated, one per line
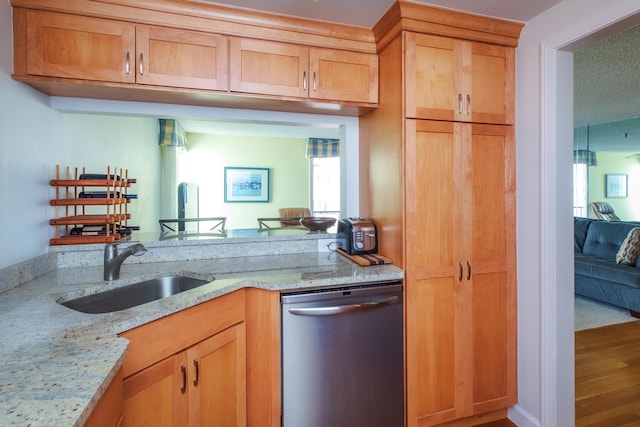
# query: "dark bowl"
[317,224]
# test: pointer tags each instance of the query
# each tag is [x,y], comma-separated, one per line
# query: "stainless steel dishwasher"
[342,357]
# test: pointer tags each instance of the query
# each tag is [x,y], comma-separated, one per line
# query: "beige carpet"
[591,314]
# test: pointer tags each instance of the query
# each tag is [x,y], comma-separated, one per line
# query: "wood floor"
[499,423]
[607,372]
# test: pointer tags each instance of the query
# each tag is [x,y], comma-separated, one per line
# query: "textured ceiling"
[607,92]
[607,79]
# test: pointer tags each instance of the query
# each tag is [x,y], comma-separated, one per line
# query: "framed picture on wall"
[246,184]
[616,185]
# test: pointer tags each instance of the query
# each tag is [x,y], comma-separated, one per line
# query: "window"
[580,190]
[325,186]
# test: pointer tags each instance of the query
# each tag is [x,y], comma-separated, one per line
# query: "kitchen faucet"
[113,261]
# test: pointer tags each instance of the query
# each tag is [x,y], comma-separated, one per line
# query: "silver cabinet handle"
[127,64]
[197,366]
[184,379]
[141,66]
[468,270]
[459,103]
[314,81]
[468,104]
[304,80]
[328,311]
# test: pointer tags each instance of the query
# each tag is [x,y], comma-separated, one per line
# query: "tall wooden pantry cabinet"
[438,178]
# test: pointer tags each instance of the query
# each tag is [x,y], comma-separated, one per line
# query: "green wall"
[208,155]
[628,208]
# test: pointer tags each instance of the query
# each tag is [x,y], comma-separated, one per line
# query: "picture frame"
[246,185]
[617,185]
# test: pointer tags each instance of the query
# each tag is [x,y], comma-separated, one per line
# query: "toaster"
[357,236]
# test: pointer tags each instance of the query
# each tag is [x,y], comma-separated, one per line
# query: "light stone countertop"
[57,363]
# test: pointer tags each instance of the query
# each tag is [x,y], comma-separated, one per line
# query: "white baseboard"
[522,418]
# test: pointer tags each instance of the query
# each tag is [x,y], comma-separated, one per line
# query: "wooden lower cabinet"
[189,368]
[108,411]
[460,270]
[203,385]
[445,211]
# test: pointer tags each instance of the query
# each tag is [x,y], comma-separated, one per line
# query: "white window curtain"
[173,140]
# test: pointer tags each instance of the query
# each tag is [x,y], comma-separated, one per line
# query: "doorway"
[556,266]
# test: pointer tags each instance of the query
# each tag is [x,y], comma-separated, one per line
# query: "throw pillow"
[629,251]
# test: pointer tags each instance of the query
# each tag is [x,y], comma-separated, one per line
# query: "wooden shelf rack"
[71,208]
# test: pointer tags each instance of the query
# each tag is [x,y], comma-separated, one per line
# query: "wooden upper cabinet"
[456,80]
[69,46]
[172,57]
[289,70]
[269,68]
[343,76]
[77,47]
[113,53]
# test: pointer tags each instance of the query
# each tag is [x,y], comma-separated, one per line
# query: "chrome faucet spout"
[113,261]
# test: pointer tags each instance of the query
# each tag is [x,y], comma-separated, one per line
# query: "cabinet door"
[492,84]
[434,247]
[268,68]
[157,395]
[492,300]
[343,76]
[77,47]
[460,270]
[218,380]
[433,79]
[180,58]
[448,79]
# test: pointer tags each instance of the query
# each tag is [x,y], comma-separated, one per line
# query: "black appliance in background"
[188,204]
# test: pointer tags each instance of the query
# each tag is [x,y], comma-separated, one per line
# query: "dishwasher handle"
[339,309]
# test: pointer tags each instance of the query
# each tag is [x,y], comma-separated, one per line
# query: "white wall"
[123,142]
[29,139]
[35,138]
[545,257]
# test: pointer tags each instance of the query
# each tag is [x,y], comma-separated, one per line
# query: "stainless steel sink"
[133,295]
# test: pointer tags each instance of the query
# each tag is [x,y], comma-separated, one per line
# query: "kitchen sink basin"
[133,295]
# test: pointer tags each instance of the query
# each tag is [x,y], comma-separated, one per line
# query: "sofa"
[598,274]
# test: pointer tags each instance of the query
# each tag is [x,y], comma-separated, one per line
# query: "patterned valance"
[585,157]
[171,134]
[318,147]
